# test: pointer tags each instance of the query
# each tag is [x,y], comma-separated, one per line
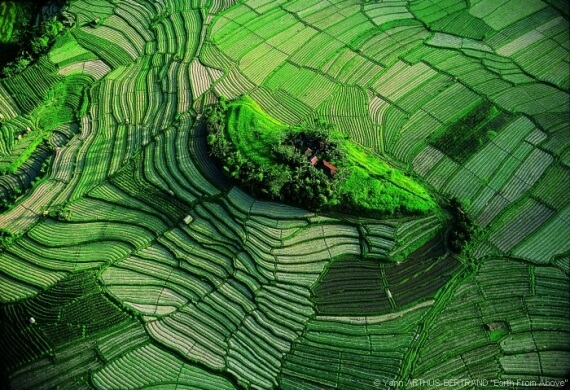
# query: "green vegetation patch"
[461,229]
[8,12]
[72,309]
[66,51]
[497,330]
[315,168]
[66,102]
[462,139]
[252,130]
[14,17]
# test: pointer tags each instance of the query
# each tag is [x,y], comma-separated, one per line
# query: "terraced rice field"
[127,260]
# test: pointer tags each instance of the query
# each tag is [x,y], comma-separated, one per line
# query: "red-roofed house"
[329,168]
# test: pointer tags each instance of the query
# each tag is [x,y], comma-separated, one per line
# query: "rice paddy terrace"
[128,260]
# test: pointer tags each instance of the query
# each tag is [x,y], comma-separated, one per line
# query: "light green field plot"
[130,259]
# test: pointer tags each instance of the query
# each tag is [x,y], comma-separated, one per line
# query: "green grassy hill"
[364,183]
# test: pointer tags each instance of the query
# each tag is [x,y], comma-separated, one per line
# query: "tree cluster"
[311,188]
[7,237]
[33,42]
[318,139]
[461,228]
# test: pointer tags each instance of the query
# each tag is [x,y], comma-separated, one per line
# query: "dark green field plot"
[462,139]
[352,287]
[356,287]
[423,273]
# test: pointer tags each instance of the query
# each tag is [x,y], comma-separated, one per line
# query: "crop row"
[157,368]
[485,163]
[233,84]
[381,13]
[271,23]
[8,106]
[12,139]
[238,44]
[68,51]
[545,243]
[408,230]
[413,134]
[260,62]
[426,160]
[350,28]
[430,11]
[388,46]
[75,361]
[277,104]
[358,70]
[463,23]
[509,166]
[86,11]
[163,171]
[348,109]
[423,95]
[407,285]
[464,184]
[224,279]
[351,287]
[495,300]
[527,218]
[29,88]
[109,51]
[401,79]
[451,103]
[322,17]
[393,120]
[551,189]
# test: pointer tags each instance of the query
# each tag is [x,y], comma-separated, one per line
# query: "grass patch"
[373,185]
[252,130]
